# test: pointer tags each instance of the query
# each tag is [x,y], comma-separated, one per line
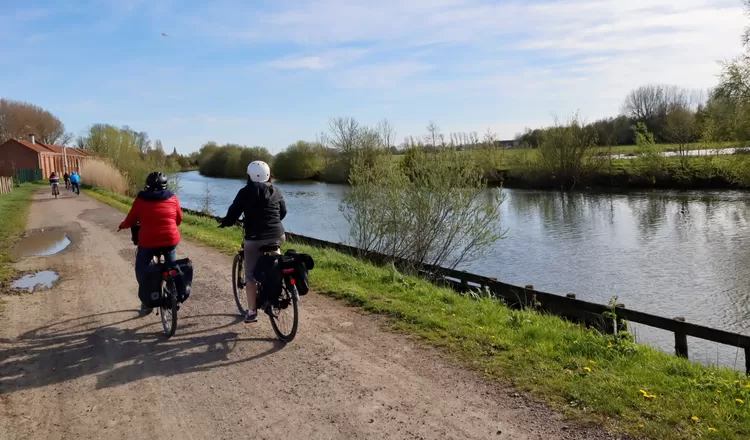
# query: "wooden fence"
[606,318]
[6,184]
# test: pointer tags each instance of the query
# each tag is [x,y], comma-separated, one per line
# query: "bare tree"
[343,133]
[18,119]
[387,133]
[643,102]
[433,134]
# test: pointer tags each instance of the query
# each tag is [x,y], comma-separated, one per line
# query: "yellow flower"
[739,400]
[641,425]
[712,429]
[736,381]
[453,314]
[716,403]
[718,391]
[570,371]
[591,362]
[609,346]
[695,419]
[587,369]
[493,336]
[481,328]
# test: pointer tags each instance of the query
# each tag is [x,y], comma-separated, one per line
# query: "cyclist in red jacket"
[158,212]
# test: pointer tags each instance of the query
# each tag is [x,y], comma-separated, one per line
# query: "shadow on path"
[85,346]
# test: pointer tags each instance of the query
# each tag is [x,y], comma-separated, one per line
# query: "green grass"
[590,376]
[14,209]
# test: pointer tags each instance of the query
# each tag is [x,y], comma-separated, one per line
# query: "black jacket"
[264,209]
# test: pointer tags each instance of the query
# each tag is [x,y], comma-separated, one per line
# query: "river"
[664,252]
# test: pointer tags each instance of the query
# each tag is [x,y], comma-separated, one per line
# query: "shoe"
[251,316]
[146,310]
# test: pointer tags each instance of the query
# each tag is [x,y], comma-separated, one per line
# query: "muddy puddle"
[43,279]
[42,244]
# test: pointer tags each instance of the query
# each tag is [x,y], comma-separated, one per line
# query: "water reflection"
[665,252]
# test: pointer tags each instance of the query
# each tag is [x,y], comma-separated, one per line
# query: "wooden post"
[680,340]
[464,286]
[747,361]
[621,324]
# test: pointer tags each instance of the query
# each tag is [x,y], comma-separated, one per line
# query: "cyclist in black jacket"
[264,209]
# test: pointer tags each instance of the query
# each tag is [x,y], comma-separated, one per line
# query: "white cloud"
[324,60]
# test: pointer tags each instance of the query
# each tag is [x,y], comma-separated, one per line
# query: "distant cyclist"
[54,182]
[264,209]
[75,182]
[157,210]
[66,178]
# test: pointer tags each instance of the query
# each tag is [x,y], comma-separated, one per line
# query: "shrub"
[300,161]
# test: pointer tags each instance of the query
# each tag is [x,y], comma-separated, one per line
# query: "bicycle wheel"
[169,309]
[284,325]
[238,283]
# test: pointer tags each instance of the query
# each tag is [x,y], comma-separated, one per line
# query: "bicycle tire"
[169,324]
[239,275]
[294,297]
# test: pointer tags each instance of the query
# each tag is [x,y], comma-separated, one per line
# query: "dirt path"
[76,362]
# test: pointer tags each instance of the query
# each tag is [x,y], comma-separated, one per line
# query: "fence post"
[747,361]
[620,324]
[680,340]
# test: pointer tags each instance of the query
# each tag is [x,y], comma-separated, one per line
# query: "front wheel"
[238,283]
[169,308]
[285,314]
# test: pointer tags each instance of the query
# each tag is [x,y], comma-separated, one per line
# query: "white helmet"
[259,171]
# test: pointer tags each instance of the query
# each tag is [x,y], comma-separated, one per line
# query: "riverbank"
[594,378]
[14,207]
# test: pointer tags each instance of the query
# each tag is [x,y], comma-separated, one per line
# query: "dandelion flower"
[695,419]
[641,425]
[739,400]
[453,314]
[609,345]
[718,391]
[587,369]
[712,429]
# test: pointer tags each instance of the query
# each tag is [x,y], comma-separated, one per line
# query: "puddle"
[44,278]
[43,244]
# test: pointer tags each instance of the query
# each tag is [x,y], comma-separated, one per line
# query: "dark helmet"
[156,181]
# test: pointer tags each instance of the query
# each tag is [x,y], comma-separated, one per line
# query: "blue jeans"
[145,255]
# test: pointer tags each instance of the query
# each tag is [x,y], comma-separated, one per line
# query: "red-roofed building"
[18,154]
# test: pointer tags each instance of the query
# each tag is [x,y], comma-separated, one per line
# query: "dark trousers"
[76,188]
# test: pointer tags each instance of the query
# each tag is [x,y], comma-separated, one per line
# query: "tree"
[18,119]
[343,134]
[387,133]
[433,136]
[680,129]
[300,161]
[569,151]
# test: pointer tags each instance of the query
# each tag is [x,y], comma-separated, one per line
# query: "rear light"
[287,271]
[165,274]
[173,272]
[293,281]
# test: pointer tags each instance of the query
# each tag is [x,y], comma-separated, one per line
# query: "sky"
[273,72]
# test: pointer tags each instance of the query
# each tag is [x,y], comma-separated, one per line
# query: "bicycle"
[55,189]
[75,187]
[274,309]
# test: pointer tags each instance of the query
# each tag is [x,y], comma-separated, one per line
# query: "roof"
[41,147]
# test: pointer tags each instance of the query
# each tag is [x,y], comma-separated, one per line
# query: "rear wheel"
[238,283]
[285,314]
[169,308]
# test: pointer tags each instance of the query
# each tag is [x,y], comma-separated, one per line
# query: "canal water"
[664,252]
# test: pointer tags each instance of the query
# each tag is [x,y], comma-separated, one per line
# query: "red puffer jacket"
[159,214]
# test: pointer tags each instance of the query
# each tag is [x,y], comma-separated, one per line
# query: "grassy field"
[593,378]
[14,209]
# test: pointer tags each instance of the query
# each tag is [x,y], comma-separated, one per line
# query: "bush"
[229,160]
[434,210]
[300,161]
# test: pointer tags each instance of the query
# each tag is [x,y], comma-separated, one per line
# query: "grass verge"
[590,376]
[14,209]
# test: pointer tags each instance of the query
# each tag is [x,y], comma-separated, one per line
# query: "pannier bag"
[184,282]
[267,273]
[301,263]
[149,288]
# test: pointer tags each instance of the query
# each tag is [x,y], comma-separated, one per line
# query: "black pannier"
[184,282]
[301,263]
[267,273]
[149,289]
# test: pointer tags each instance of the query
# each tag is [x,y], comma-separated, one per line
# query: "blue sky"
[272,72]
